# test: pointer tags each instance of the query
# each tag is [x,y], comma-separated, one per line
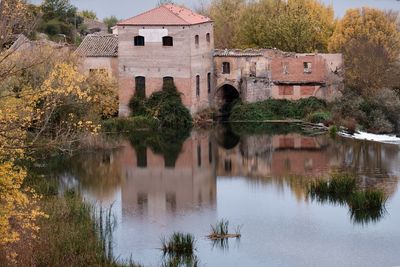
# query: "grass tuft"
[179,244]
[367,206]
[221,231]
[336,190]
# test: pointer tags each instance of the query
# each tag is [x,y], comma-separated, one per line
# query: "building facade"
[172,43]
[166,43]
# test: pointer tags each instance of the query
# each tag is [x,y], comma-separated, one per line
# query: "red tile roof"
[169,15]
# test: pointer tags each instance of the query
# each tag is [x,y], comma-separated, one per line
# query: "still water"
[255,180]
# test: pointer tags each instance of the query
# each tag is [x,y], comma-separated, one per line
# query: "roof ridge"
[151,10]
[176,15]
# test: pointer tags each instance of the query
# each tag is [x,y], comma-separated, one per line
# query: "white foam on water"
[383,138]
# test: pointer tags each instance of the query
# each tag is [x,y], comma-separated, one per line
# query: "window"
[208,38]
[228,165]
[198,155]
[168,41]
[209,82]
[307,67]
[141,155]
[196,40]
[168,81]
[139,40]
[226,68]
[210,156]
[140,86]
[198,85]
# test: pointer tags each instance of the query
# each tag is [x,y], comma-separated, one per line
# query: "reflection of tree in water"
[258,128]
[93,170]
[167,143]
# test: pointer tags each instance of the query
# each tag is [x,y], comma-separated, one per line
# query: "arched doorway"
[224,99]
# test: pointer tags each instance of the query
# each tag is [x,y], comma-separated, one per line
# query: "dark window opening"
[168,41]
[198,155]
[139,40]
[141,155]
[196,40]
[307,67]
[208,38]
[168,81]
[198,85]
[226,68]
[209,82]
[142,201]
[170,198]
[140,86]
[228,165]
[210,156]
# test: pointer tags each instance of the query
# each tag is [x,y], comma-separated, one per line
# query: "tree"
[89,14]
[293,25]
[370,43]
[110,22]
[164,2]
[60,17]
[225,14]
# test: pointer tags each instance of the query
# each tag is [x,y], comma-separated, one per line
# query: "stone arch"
[224,97]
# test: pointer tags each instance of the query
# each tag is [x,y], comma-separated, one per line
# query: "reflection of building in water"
[153,184]
[275,155]
[294,159]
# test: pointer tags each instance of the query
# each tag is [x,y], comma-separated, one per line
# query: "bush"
[377,113]
[165,106]
[276,109]
[131,124]
[319,117]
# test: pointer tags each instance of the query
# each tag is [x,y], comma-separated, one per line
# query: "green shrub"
[378,112]
[276,109]
[319,117]
[165,106]
[131,124]
[333,131]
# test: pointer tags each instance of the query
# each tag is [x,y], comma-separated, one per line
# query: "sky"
[128,8]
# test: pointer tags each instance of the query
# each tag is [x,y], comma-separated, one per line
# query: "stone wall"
[269,73]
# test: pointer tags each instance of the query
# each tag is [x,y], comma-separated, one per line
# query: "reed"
[179,244]
[367,206]
[221,231]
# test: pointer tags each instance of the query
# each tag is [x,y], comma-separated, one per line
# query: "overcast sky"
[129,8]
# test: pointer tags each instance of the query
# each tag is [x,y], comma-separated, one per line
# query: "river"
[257,180]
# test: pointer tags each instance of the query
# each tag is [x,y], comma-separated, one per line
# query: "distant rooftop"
[169,15]
[99,45]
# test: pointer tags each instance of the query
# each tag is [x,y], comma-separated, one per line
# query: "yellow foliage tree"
[370,42]
[225,14]
[293,25]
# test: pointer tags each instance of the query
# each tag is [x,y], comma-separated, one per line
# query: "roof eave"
[164,24]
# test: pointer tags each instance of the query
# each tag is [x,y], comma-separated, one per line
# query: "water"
[257,181]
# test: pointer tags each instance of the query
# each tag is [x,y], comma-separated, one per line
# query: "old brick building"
[172,43]
[166,43]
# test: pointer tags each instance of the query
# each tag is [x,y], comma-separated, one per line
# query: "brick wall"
[183,61]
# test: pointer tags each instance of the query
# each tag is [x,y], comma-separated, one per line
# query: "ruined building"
[172,43]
